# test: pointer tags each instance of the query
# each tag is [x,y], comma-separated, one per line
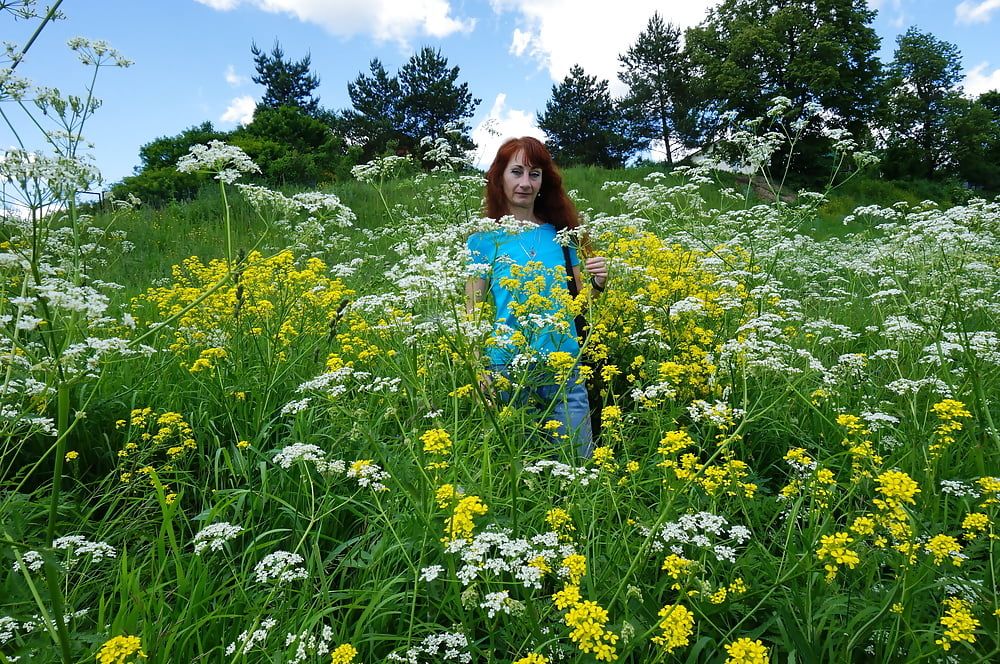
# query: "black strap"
[580,321]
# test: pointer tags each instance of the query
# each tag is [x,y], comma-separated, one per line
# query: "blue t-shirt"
[542,265]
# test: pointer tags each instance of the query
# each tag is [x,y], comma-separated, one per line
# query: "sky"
[192,60]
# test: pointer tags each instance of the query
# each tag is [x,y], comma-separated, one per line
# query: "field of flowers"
[280,450]
[282,453]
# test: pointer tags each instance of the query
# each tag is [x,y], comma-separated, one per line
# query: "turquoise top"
[500,250]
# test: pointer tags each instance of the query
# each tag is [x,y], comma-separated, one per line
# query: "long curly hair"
[551,205]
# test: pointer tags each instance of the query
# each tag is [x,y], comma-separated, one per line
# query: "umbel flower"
[228,162]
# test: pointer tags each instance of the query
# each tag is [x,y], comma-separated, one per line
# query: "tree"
[156,181]
[924,99]
[375,123]
[292,147]
[747,52]
[433,100]
[655,72]
[163,152]
[582,123]
[286,83]
[395,112]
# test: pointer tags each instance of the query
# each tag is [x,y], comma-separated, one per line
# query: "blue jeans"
[567,404]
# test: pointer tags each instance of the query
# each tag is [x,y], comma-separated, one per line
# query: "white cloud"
[240,110]
[967,13]
[898,18]
[384,20]
[234,79]
[978,80]
[502,123]
[561,33]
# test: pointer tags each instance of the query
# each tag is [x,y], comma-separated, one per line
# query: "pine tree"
[582,123]
[433,100]
[653,68]
[286,83]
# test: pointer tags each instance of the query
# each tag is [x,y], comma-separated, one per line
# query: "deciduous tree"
[747,52]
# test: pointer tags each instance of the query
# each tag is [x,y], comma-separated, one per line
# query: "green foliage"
[377,114]
[434,102]
[656,74]
[923,107]
[582,123]
[393,113]
[291,147]
[748,51]
[286,82]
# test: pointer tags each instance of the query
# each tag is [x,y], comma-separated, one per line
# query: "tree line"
[684,93]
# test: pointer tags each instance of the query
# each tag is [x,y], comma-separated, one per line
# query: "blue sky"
[192,59]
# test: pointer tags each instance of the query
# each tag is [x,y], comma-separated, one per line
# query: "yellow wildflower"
[745,651]
[958,622]
[676,625]
[343,654]
[118,649]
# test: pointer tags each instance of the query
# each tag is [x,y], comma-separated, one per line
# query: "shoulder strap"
[579,321]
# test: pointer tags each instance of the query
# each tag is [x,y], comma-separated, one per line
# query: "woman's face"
[521,184]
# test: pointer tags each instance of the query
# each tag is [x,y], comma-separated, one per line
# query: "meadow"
[251,428]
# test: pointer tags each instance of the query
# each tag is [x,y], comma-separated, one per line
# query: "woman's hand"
[597,268]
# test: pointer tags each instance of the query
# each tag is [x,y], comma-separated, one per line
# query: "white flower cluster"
[308,453]
[717,414]
[281,567]
[9,627]
[959,489]
[247,639]
[368,475]
[442,647]
[228,162]
[76,546]
[307,644]
[213,537]
[569,474]
[702,530]
[493,553]
[81,546]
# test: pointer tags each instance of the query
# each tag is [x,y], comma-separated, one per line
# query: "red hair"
[552,204]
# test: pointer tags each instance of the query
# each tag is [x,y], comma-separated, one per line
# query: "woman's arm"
[597,268]
[475,290]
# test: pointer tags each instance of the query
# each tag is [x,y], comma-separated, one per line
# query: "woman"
[526,281]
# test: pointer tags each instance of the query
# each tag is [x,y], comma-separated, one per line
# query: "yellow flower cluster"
[576,567]
[974,524]
[948,413]
[148,437]
[725,478]
[834,549]
[437,443]
[864,460]
[676,625]
[118,649]
[958,622]
[559,521]
[944,546]
[460,524]
[810,479]
[745,651]
[587,620]
[269,297]
[343,654]
[208,359]
[657,276]
[533,658]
